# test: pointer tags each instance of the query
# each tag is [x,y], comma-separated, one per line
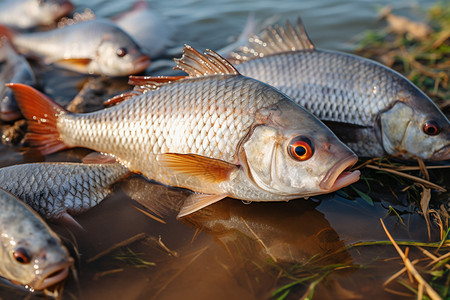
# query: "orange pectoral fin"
[208,169]
[196,202]
[76,64]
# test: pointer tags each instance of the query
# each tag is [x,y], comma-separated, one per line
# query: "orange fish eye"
[300,148]
[431,128]
[21,255]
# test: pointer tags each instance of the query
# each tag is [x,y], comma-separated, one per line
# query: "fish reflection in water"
[240,239]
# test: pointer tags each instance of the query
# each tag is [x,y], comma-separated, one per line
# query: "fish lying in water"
[371,108]
[91,47]
[56,190]
[26,14]
[217,133]
[31,253]
[146,27]
[14,68]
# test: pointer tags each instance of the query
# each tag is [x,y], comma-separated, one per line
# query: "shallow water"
[231,250]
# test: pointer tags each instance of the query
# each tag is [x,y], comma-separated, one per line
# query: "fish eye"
[121,52]
[431,128]
[301,148]
[21,255]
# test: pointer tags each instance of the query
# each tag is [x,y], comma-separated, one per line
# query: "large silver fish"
[31,254]
[217,133]
[58,190]
[14,68]
[373,109]
[92,47]
[26,14]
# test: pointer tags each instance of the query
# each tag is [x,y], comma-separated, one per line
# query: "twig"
[433,295]
[414,178]
[131,240]
[260,241]
[150,215]
[101,274]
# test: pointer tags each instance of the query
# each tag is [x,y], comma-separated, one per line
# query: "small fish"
[58,190]
[31,253]
[26,14]
[15,68]
[91,47]
[373,109]
[146,27]
[216,132]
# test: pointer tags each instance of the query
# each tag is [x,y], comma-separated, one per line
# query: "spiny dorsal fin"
[210,63]
[144,84]
[275,39]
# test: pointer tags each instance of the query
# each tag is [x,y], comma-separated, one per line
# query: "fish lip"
[141,63]
[53,275]
[337,177]
[10,115]
[441,154]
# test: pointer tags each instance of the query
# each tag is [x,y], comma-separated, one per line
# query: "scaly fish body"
[93,47]
[54,189]
[373,109]
[15,68]
[219,135]
[26,14]
[31,254]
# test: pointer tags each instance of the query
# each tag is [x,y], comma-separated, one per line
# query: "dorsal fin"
[275,39]
[210,63]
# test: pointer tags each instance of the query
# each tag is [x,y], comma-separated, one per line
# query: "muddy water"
[233,250]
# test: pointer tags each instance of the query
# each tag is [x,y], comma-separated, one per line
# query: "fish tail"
[42,115]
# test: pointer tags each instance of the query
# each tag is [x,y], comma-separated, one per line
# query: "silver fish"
[26,14]
[373,109]
[146,27]
[31,254]
[56,190]
[217,133]
[15,68]
[91,47]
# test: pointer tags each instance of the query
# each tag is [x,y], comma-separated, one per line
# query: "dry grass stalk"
[150,215]
[109,272]
[260,241]
[137,237]
[410,267]
[414,178]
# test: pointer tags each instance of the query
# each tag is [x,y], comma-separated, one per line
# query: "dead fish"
[146,27]
[15,68]
[58,190]
[91,47]
[32,254]
[373,109]
[217,133]
[26,14]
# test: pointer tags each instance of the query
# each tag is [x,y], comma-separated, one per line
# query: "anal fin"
[196,202]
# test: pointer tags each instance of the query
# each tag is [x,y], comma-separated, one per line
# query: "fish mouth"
[339,176]
[141,64]
[53,275]
[442,154]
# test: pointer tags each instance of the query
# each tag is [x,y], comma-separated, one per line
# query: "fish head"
[292,154]
[47,11]
[34,256]
[415,127]
[118,55]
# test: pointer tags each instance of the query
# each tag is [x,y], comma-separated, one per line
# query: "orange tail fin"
[42,115]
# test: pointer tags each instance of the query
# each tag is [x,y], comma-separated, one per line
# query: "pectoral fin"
[76,64]
[208,169]
[198,201]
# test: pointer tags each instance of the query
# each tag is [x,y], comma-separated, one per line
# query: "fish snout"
[340,175]
[442,154]
[141,63]
[53,274]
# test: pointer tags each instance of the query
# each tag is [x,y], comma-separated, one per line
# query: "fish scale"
[53,188]
[340,95]
[193,123]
